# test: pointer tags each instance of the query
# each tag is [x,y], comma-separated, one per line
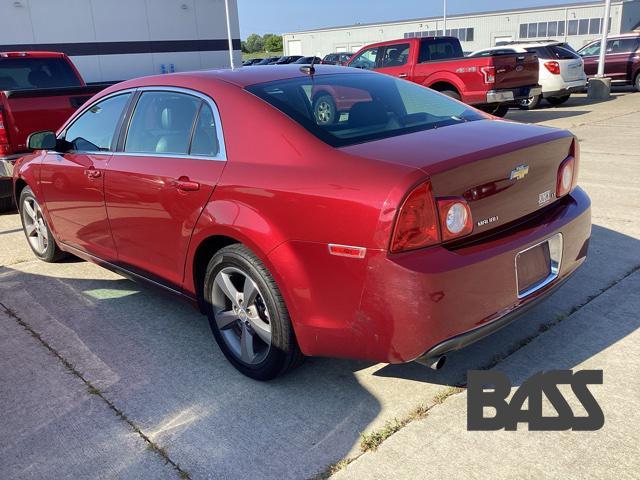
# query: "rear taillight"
[489,74]
[4,137]
[424,221]
[568,171]
[417,222]
[455,218]
[553,67]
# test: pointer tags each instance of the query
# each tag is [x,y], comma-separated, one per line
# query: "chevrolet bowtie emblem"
[519,172]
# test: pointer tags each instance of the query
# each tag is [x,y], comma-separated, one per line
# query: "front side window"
[395,55]
[162,123]
[589,50]
[366,59]
[370,106]
[95,129]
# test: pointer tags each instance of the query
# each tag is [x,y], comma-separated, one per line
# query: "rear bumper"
[394,308]
[510,95]
[569,88]
[6,175]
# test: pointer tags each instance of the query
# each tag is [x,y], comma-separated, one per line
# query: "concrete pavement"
[154,360]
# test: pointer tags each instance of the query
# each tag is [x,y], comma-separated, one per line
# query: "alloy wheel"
[34,225]
[324,112]
[241,315]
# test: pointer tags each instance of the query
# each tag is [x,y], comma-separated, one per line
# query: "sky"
[281,16]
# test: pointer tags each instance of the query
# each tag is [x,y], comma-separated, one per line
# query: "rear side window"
[205,136]
[439,49]
[542,52]
[162,123]
[562,53]
[94,130]
[25,73]
[626,45]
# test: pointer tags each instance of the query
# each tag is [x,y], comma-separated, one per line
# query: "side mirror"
[42,141]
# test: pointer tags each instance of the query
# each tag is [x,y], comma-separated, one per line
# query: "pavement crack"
[93,390]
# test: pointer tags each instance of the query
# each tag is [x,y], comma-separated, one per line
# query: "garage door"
[294,47]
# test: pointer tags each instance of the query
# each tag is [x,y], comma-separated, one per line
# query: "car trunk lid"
[505,173]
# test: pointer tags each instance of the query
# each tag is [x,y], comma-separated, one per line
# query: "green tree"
[254,43]
[272,43]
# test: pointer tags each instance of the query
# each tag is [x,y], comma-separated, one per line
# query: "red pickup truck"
[38,91]
[491,84]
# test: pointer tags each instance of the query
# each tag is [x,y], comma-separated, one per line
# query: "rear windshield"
[22,73]
[344,109]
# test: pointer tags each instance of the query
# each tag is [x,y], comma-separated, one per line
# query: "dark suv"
[622,60]
[337,58]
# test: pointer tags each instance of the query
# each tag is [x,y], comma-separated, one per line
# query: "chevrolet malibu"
[410,227]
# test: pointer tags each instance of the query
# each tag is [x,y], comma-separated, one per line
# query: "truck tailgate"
[516,70]
[43,109]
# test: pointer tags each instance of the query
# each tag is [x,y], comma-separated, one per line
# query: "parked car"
[622,59]
[288,59]
[38,91]
[307,60]
[268,61]
[411,228]
[561,70]
[253,61]
[340,58]
[492,84]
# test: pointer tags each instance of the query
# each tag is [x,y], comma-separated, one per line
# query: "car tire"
[636,83]
[530,103]
[558,100]
[497,111]
[324,110]
[451,93]
[35,228]
[255,334]
[6,205]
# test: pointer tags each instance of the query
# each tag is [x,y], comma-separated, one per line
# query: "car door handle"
[186,185]
[91,172]
[403,75]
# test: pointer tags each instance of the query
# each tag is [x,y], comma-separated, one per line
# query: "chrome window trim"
[222,154]
[556,243]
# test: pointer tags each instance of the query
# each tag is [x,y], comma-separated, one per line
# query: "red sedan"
[409,227]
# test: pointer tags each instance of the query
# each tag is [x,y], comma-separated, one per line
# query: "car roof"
[240,77]
[517,48]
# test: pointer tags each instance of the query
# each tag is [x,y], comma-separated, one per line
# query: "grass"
[249,56]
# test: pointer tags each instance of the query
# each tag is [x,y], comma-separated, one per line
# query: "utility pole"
[600,86]
[603,43]
[444,19]
[229,38]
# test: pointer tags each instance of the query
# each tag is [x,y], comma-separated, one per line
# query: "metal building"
[576,24]
[112,40]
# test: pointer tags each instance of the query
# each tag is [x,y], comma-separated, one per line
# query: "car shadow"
[155,358]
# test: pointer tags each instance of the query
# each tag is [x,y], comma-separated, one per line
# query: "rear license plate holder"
[538,265]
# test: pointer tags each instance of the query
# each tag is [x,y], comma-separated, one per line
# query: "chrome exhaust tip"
[434,363]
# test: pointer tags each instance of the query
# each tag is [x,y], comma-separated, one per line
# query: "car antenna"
[309,70]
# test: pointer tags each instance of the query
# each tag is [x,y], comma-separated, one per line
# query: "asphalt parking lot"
[103,378]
